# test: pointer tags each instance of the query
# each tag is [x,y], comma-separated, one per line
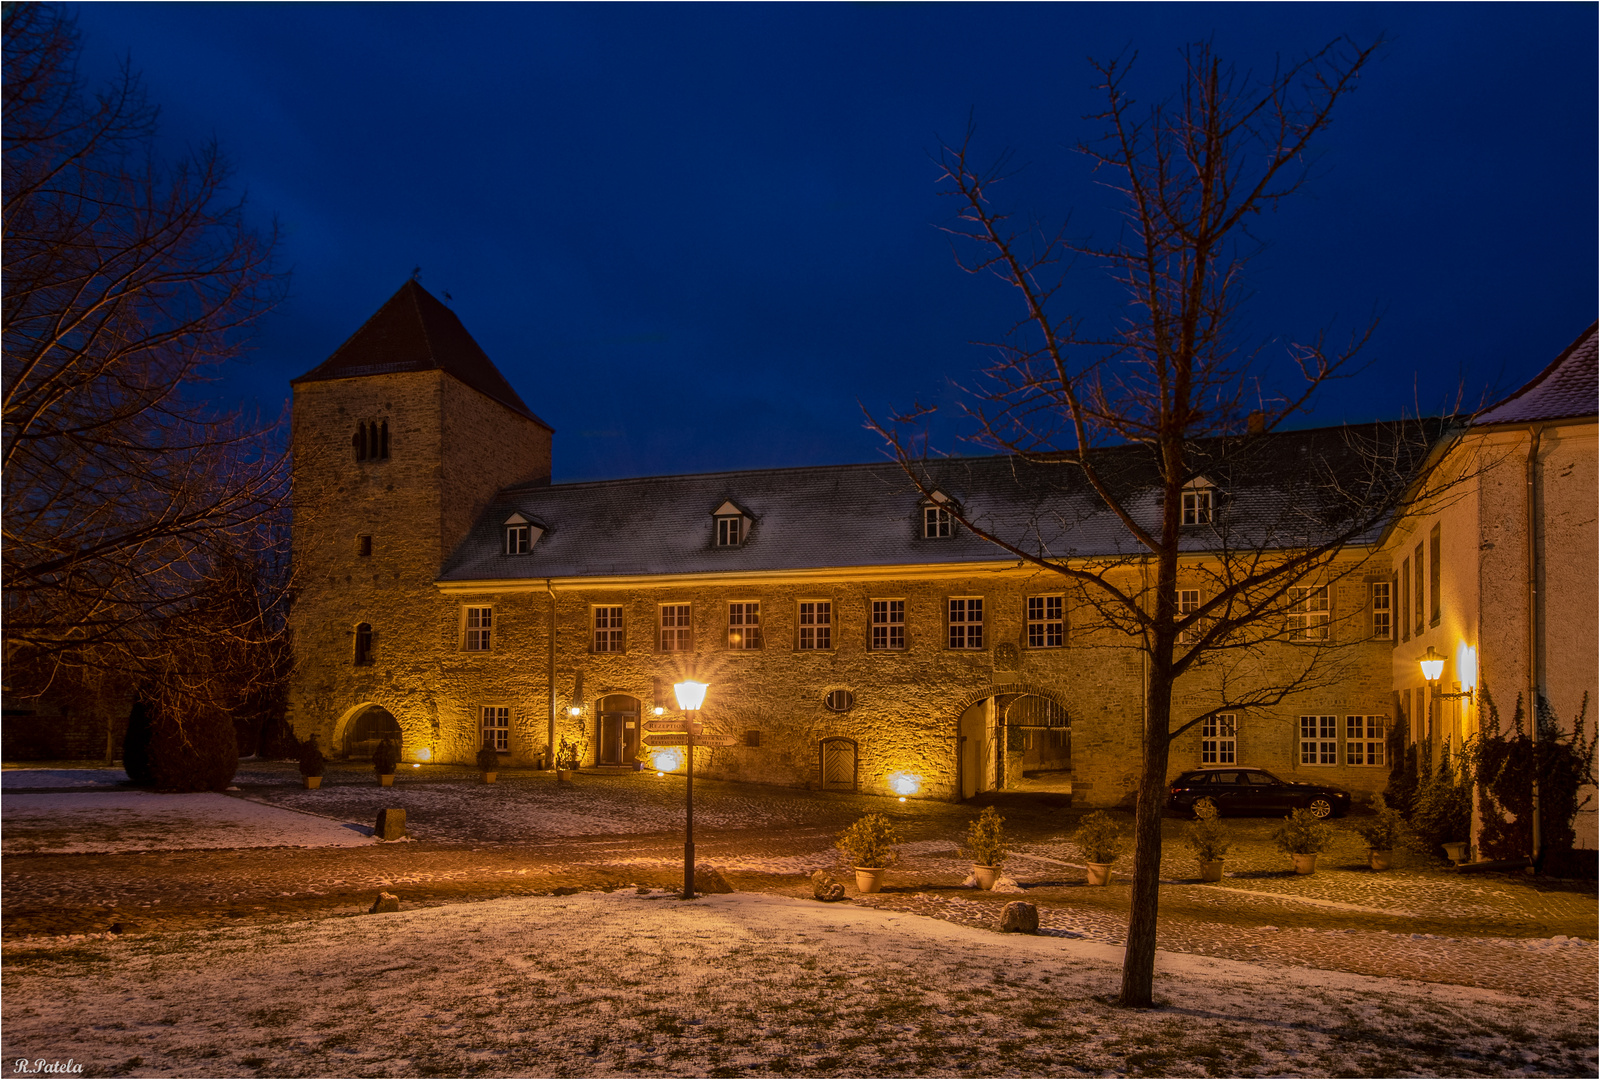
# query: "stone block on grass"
[1019,917]
[384,902]
[391,825]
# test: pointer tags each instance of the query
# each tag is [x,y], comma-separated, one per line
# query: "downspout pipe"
[550,678]
[1535,634]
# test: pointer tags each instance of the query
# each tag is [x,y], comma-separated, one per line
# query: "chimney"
[1255,423]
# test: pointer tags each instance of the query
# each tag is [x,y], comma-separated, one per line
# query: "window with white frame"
[966,622]
[479,623]
[517,540]
[1364,739]
[1188,604]
[816,624]
[496,727]
[608,628]
[888,624]
[1197,506]
[744,625]
[1308,614]
[1319,740]
[676,629]
[730,531]
[937,523]
[1382,610]
[1219,739]
[1046,622]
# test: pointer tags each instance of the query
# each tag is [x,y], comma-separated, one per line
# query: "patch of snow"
[24,779]
[148,821]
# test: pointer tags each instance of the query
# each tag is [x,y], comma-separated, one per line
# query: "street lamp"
[1433,667]
[691,695]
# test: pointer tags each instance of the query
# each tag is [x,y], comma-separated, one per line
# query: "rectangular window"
[479,621]
[1188,604]
[1363,740]
[497,727]
[1308,614]
[730,531]
[1434,600]
[608,629]
[1046,626]
[1219,740]
[936,522]
[517,540]
[744,625]
[1405,600]
[1319,740]
[364,546]
[888,624]
[1421,595]
[676,630]
[1382,614]
[816,624]
[1197,507]
[966,622]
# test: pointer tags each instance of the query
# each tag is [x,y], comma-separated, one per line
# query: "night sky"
[693,238]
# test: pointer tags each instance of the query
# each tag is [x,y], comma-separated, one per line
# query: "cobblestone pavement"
[1419,920]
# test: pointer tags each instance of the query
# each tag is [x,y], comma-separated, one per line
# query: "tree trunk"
[1139,959]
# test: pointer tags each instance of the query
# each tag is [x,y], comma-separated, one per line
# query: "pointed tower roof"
[413,331]
[1567,388]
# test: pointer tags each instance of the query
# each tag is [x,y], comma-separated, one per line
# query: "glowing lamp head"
[1432,665]
[690,694]
[904,784]
[576,710]
[424,754]
[660,710]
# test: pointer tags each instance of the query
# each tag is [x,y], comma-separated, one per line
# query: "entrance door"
[617,741]
[839,764]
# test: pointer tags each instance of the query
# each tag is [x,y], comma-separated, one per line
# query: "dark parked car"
[1243,790]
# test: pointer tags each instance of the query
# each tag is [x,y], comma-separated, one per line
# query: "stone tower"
[400,439]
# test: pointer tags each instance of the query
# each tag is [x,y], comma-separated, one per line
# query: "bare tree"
[144,528]
[1130,418]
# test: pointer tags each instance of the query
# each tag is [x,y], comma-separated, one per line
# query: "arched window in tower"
[371,440]
[363,644]
[383,440]
[360,441]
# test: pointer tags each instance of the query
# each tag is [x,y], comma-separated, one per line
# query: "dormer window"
[371,440]
[732,527]
[937,521]
[1199,502]
[521,535]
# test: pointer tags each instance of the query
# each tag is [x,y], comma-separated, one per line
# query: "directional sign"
[672,725]
[683,739]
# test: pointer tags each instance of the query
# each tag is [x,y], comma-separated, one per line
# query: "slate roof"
[413,331]
[1280,490]
[1567,388]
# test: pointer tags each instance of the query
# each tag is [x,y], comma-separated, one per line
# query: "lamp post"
[691,695]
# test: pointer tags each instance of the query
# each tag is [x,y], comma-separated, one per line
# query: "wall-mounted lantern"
[1433,667]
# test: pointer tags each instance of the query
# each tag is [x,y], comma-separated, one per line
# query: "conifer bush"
[1099,838]
[312,761]
[871,841]
[1302,833]
[1386,830]
[1206,835]
[986,839]
[488,758]
[385,757]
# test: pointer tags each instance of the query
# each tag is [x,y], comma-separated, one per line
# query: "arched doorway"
[1016,741]
[368,728]
[617,730]
[839,765]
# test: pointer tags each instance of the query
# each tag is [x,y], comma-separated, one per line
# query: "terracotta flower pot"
[869,879]
[312,782]
[986,875]
[1456,851]
[563,776]
[1379,860]
[386,779]
[488,777]
[1305,864]
[1211,870]
[1099,873]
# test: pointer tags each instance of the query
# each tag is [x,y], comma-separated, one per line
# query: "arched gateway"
[1019,740]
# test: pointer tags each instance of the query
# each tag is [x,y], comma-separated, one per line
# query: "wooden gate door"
[839,764]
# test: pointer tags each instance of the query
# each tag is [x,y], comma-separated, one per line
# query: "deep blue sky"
[694,237]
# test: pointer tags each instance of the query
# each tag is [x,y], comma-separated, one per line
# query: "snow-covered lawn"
[146,821]
[26,779]
[630,984]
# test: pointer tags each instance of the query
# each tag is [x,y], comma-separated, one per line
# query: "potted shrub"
[566,760]
[1383,833]
[986,846]
[312,763]
[870,843]
[1100,841]
[1303,836]
[1207,837]
[384,760]
[488,761]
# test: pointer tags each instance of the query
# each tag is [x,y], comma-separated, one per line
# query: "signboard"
[683,739]
[672,725]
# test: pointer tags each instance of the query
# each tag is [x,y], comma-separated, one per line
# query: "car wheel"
[1320,806]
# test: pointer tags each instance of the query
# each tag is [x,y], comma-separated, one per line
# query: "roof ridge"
[1538,380]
